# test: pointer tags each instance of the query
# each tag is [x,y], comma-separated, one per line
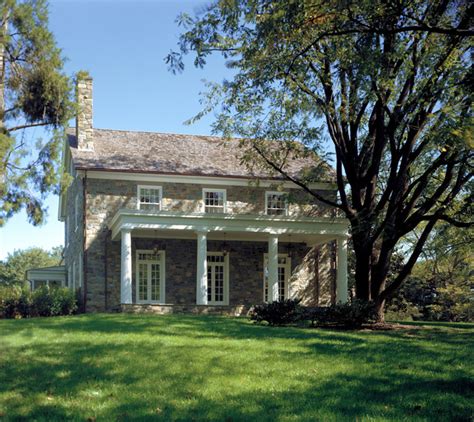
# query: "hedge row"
[17,302]
[348,315]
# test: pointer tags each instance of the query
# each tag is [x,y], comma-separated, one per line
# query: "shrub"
[53,301]
[15,302]
[347,315]
[277,313]
[18,302]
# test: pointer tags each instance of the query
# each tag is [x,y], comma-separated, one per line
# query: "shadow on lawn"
[165,380]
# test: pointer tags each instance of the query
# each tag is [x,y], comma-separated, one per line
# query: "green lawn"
[143,367]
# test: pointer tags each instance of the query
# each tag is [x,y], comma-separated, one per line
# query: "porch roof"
[234,226]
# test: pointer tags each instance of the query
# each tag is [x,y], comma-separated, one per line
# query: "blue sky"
[122,44]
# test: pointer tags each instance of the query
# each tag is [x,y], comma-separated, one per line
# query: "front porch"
[207,263]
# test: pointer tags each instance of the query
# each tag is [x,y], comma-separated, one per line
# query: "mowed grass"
[144,367]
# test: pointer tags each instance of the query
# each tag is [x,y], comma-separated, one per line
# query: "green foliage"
[13,269]
[53,301]
[15,302]
[388,83]
[349,315]
[441,287]
[20,302]
[34,91]
[280,312]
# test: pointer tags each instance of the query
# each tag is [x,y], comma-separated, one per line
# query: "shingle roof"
[165,153]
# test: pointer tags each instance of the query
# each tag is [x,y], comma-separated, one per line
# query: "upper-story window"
[214,200]
[275,203]
[149,197]
[76,212]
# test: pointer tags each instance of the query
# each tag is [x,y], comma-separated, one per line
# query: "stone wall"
[313,278]
[74,233]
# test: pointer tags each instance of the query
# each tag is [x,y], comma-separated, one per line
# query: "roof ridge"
[161,133]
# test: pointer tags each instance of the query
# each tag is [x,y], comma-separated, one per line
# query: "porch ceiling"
[166,224]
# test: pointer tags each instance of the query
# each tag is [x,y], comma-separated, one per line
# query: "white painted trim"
[206,180]
[272,192]
[74,275]
[162,264]
[76,213]
[229,223]
[226,277]
[287,266]
[158,188]
[204,190]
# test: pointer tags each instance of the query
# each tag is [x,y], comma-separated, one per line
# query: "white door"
[150,282]
[284,270]
[217,278]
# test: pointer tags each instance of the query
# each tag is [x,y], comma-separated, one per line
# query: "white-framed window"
[284,270]
[74,275]
[214,201]
[69,276]
[66,230]
[150,276]
[276,203]
[149,197]
[76,213]
[217,278]
[81,275]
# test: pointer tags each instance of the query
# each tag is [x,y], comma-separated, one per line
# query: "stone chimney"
[84,126]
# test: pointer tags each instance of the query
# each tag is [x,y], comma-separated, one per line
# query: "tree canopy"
[13,269]
[34,92]
[387,83]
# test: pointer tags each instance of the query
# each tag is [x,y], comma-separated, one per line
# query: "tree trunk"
[380,309]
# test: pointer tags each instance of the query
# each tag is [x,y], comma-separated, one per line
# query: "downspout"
[84,238]
[106,298]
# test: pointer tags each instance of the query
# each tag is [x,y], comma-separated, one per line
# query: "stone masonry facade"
[312,270]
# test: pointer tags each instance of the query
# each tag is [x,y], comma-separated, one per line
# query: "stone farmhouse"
[175,223]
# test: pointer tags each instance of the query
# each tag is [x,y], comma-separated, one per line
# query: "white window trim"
[74,275]
[224,191]
[226,279]
[76,213]
[80,269]
[271,192]
[67,230]
[287,273]
[162,262]
[159,188]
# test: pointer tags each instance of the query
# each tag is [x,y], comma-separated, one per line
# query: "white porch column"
[273,268]
[341,281]
[201,269]
[126,268]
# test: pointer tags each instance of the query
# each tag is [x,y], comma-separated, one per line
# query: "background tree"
[388,83]
[441,286]
[13,269]
[34,92]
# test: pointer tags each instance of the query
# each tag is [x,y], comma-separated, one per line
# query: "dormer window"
[149,197]
[275,203]
[214,201]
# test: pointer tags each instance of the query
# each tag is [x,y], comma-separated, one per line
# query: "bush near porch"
[173,367]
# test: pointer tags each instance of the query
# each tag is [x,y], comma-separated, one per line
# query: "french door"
[217,278]
[150,281]
[284,269]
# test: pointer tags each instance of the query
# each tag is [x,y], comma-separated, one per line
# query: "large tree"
[34,92]
[388,83]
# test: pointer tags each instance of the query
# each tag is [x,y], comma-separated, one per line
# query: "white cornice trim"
[237,223]
[205,180]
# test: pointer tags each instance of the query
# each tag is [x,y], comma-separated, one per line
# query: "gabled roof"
[173,154]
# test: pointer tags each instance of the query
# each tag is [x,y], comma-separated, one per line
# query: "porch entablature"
[126,219]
